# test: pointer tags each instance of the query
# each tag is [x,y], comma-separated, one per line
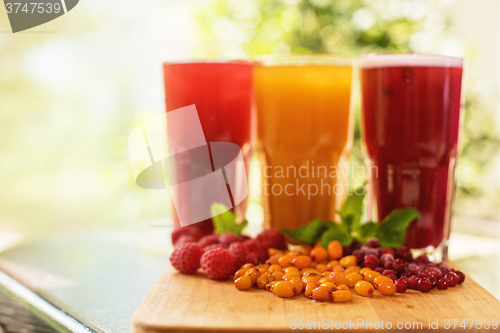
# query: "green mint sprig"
[224,220]
[390,232]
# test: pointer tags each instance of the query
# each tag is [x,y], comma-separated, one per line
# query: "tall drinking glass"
[222,92]
[411,118]
[304,126]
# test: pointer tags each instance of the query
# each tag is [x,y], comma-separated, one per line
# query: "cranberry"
[387,251]
[442,283]
[406,274]
[423,273]
[433,280]
[436,272]
[461,277]
[444,269]
[423,259]
[452,278]
[389,272]
[404,253]
[371,261]
[388,264]
[413,269]
[424,285]
[413,282]
[399,265]
[373,242]
[401,285]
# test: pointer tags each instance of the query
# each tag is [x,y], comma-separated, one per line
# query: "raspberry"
[213,246]
[184,239]
[373,242]
[252,258]
[388,264]
[186,258]
[218,264]
[372,251]
[188,230]
[387,251]
[239,253]
[208,240]
[379,269]
[413,269]
[436,272]
[229,238]
[371,261]
[346,251]
[359,254]
[254,246]
[386,257]
[271,238]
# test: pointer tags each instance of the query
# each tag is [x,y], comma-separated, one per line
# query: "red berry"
[188,230]
[229,238]
[388,264]
[371,261]
[413,268]
[239,253]
[373,242]
[186,258]
[208,240]
[387,272]
[424,285]
[185,239]
[404,253]
[423,273]
[379,269]
[387,251]
[254,246]
[218,264]
[433,280]
[387,257]
[346,251]
[461,277]
[413,282]
[452,278]
[399,265]
[401,285]
[359,254]
[435,271]
[442,283]
[251,258]
[213,246]
[271,238]
[423,259]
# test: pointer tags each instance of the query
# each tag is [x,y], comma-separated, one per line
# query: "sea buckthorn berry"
[387,288]
[262,270]
[342,287]
[330,285]
[270,285]
[424,285]
[309,289]
[243,283]
[321,294]
[363,270]
[461,277]
[308,270]
[309,279]
[272,251]
[442,283]
[301,262]
[263,280]
[364,288]
[371,275]
[332,264]
[291,275]
[273,260]
[253,273]
[319,254]
[338,268]
[341,296]
[305,249]
[452,279]
[315,275]
[263,266]
[274,268]
[352,269]
[286,260]
[247,266]
[401,285]
[339,278]
[335,250]
[295,253]
[380,279]
[325,279]
[239,273]
[298,285]
[349,261]
[321,268]
[284,289]
[326,274]
[291,269]
[353,278]
[278,275]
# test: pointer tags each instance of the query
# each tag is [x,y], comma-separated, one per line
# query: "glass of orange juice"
[305,123]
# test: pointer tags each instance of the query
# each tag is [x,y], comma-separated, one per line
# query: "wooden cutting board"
[193,303]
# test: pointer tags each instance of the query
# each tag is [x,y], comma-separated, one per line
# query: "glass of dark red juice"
[411,106]
[222,93]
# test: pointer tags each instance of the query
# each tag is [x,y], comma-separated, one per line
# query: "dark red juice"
[411,115]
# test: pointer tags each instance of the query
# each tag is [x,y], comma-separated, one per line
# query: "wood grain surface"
[193,303]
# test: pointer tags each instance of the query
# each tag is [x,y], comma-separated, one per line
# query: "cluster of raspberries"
[220,255]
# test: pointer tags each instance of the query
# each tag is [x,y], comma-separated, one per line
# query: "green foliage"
[224,220]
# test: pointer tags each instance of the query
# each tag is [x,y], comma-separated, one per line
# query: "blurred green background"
[73,89]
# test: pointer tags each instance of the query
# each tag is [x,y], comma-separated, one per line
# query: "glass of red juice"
[222,92]
[411,106]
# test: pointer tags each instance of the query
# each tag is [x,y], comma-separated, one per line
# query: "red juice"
[411,117]
[222,93]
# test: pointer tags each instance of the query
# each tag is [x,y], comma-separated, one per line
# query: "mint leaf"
[309,233]
[336,232]
[353,206]
[346,221]
[392,230]
[224,220]
[367,231]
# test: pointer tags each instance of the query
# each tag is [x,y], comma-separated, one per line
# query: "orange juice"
[304,136]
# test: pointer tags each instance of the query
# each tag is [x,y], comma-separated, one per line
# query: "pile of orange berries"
[324,275]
